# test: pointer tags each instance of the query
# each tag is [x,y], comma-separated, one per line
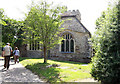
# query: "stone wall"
[34,53]
[81,53]
[72,24]
[23,51]
[72,13]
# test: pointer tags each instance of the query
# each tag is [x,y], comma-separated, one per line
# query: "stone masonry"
[73,26]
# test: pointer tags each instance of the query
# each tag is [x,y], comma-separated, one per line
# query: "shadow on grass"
[23,58]
[70,62]
[49,74]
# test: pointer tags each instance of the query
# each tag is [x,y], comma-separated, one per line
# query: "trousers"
[6,62]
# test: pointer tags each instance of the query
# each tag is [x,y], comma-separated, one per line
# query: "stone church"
[74,47]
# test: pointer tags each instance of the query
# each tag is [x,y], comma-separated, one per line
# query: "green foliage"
[11,32]
[1,22]
[42,25]
[2,16]
[65,72]
[106,43]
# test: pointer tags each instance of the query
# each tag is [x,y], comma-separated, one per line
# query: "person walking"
[16,55]
[6,54]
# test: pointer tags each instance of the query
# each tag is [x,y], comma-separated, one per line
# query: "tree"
[106,42]
[42,25]
[1,17]
[11,31]
[1,23]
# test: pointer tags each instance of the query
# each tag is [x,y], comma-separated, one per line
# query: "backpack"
[7,51]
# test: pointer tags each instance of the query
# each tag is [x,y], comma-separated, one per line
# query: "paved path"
[17,73]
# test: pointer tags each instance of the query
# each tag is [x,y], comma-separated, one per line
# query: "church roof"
[79,27]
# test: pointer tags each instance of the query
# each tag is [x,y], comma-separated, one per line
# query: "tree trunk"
[45,57]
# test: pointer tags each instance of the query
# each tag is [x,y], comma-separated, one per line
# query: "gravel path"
[17,73]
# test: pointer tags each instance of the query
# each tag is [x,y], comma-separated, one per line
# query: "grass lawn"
[64,72]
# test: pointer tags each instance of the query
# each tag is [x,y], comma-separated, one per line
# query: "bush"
[106,43]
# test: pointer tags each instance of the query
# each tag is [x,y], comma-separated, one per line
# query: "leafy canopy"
[11,31]
[42,24]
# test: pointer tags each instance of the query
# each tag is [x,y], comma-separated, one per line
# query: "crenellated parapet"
[72,13]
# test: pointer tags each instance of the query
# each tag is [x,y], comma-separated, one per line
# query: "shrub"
[106,43]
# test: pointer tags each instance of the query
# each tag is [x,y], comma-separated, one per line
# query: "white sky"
[90,9]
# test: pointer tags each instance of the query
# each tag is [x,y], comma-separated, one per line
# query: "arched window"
[67,45]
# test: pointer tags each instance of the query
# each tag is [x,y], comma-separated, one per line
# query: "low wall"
[83,57]
[34,54]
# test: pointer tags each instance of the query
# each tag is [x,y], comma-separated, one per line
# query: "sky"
[90,9]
